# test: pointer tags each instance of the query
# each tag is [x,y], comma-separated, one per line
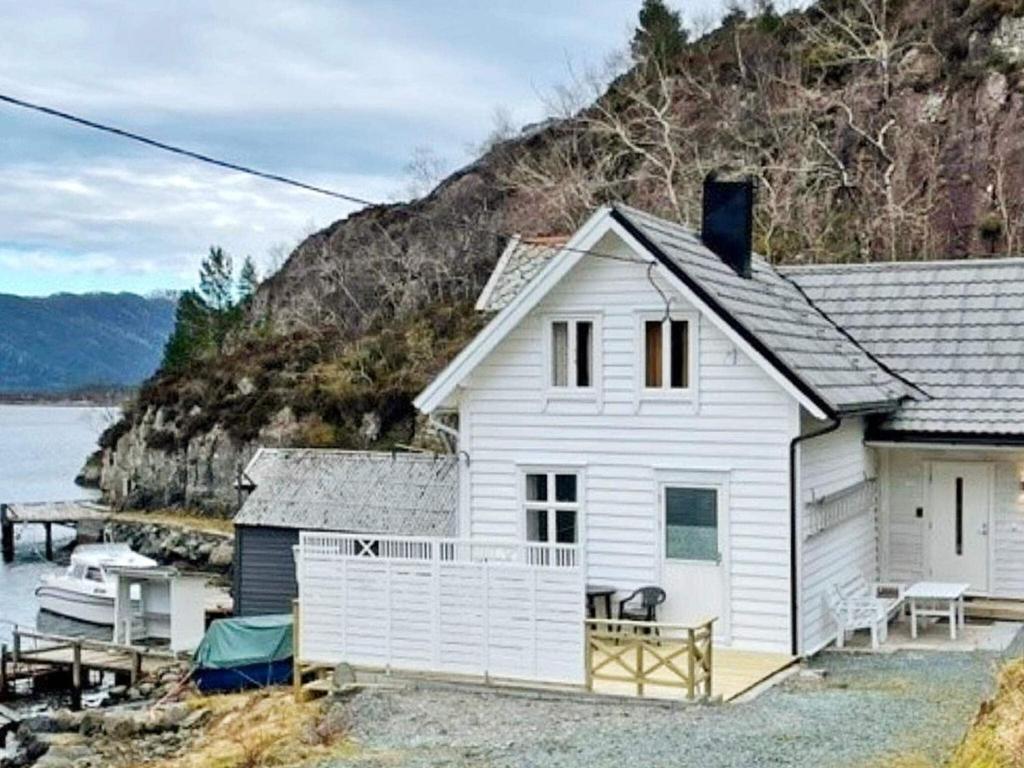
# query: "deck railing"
[650,654]
[428,549]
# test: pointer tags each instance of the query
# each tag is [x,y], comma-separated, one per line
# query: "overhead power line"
[274,177]
[181,151]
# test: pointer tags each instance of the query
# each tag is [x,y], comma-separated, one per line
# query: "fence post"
[296,667]
[588,656]
[639,665]
[690,659]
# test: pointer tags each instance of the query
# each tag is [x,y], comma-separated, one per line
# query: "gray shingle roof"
[522,260]
[954,328]
[401,494]
[773,310]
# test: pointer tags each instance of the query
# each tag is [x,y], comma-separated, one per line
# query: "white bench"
[858,604]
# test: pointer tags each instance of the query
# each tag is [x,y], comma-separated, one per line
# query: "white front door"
[694,549]
[960,499]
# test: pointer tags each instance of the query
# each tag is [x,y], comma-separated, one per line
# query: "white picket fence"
[498,609]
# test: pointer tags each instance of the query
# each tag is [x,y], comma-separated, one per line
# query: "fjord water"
[42,447]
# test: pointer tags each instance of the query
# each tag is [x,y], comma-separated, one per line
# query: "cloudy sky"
[337,93]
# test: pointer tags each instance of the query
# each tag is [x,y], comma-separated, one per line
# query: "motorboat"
[86,590]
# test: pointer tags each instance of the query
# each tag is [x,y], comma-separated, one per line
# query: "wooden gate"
[510,610]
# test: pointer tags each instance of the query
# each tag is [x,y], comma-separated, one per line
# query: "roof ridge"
[951,263]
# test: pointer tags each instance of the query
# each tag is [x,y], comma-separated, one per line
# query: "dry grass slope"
[996,740]
[263,729]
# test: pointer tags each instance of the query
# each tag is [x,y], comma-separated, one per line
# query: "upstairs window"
[666,354]
[572,354]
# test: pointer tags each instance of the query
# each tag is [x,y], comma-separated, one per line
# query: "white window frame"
[666,391]
[551,505]
[572,391]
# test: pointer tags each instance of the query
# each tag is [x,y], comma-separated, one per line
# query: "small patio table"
[597,592]
[937,598]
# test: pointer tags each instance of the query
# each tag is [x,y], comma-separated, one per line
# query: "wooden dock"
[59,661]
[47,514]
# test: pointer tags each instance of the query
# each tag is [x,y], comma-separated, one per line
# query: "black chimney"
[728,221]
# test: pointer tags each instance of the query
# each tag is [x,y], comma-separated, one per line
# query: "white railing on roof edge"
[426,549]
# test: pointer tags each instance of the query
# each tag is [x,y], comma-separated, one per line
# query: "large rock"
[222,555]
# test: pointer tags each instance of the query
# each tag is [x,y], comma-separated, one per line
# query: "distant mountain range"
[68,342]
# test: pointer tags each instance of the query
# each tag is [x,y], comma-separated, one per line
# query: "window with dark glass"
[691,524]
[666,346]
[552,505]
[572,353]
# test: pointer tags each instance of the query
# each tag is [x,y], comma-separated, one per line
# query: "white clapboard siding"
[906,489]
[830,464]
[442,605]
[739,422]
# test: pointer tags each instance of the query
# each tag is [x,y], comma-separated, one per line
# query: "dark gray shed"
[305,489]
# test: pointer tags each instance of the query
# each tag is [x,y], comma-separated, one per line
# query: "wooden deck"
[991,608]
[733,672]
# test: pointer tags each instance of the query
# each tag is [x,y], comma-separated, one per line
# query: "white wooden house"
[681,413]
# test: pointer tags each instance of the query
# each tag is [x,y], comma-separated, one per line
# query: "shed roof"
[358,491]
[952,327]
[772,311]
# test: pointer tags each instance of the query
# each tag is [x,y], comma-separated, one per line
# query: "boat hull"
[209,679]
[91,609]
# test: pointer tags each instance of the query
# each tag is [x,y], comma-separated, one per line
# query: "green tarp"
[233,643]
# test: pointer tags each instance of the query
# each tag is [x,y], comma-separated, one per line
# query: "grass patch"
[265,728]
[178,518]
[996,738]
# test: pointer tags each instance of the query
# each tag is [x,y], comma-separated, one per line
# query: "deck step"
[1003,610]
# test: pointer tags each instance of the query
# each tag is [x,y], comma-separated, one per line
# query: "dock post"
[49,540]
[6,535]
[76,676]
[136,671]
[3,672]
[17,646]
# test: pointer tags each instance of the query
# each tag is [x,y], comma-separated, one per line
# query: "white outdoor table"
[937,598]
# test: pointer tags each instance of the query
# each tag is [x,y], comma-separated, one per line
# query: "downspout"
[794,506]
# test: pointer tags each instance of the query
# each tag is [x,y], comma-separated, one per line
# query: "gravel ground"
[868,710]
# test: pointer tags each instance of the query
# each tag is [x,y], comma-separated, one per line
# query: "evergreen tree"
[248,281]
[216,280]
[660,38]
[192,333]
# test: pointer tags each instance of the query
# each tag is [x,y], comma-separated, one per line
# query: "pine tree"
[248,281]
[660,38]
[192,333]
[216,279]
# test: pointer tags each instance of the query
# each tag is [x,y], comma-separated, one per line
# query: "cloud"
[335,92]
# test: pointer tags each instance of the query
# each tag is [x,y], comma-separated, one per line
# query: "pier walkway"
[47,514]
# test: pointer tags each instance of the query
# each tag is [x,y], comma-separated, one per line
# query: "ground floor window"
[552,506]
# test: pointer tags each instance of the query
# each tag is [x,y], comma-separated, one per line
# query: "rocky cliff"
[876,129]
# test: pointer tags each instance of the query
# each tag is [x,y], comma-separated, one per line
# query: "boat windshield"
[93,574]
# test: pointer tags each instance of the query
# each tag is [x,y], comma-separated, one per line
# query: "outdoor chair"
[856,604]
[642,604]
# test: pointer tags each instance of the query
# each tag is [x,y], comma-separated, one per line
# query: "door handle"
[984,529]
